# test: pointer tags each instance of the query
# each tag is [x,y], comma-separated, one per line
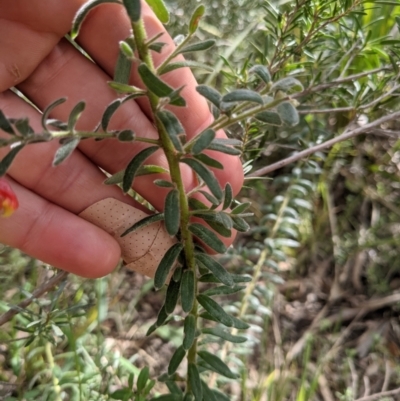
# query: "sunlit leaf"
[195,19]
[159,9]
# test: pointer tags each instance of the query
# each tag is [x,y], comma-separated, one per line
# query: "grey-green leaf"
[125,88]
[225,335]
[134,165]
[217,364]
[195,19]
[240,224]
[207,393]
[182,64]
[146,169]
[154,218]
[172,212]
[206,175]
[202,141]
[75,114]
[46,112]
[133,8]
[241,208]
[5,163]
[269,117]
[176,360]
[164,183]
[242,95]
[123,68]
[173,127]
[223,290]
[221,147]
[208,161]
[189,330]
[288,84]
[187,290]
[208,237]
[127,135]
[216,268]
[83,12]
[196,47]
[157,86]
[108,113]
[65,150]
[215,310]
[210,94]
[288,114]
[195,382]
[5,125]
[166,264]
[171,298]
[262,72]
[228,196]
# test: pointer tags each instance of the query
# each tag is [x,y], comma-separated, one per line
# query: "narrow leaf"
[164,183]
[217,364]
[242,95]
[195,204]
[195,19]
[288,114]
[199,46]
[202,141]
[146,169]
[215,310]
[172,296]
[223,290]
[161,317]
[208,237]
[228,196]
[288,84]
[65,150]
[216,268]
[157,47]
[23,127]
[241,208]
[5,163]
[154,218]
[262,72]
[209,161]
[220,147]
[166,264]
[206,175]
[83,12]
[108,113]
[160,10]
[269,117]
[173,127]
[133,8]
[195,382]
[207,393]
[240,224]
[239,324]
[134,166]
[187,290]
[210,94]
[237,278]
[75,114]
[172,212]
[176,360]
[157,86]
[167,397]
[46,113]
[123,68]
[189,330]
[182,64]
[125,88]
[142,379]
[225,335]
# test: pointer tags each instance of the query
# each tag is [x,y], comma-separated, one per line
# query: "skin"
[36,59]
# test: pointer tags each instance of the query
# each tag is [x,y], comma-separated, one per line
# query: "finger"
[58,237]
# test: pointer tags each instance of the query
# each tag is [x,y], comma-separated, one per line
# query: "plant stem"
[50,361]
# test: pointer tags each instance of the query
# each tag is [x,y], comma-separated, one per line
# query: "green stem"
[50,361]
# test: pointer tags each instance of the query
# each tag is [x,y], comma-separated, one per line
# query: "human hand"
[36,59]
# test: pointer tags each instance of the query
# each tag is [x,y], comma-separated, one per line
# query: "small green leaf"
[159,9]
[174,388]
[196,47]
[173,127]
[202,141]
[157,86]
[83,12]
[213,200]
[133,9]
[182,64]
[187,290]
[195,382]
[5,124]
[208,161]
[288,114]
[127,135]
[208,237]
[228,196]
[154,218]
[217,364]
[225,335]
[124,88]
[126,48]
[176,360]
[65,150]
[262,72]
[75,114]
[157,47]
[239,324]
[23,127]
[172,296]
[210,94]
[241,208]
[220,396]
[195,204]
[134,166]
[216,268]
[224,290]
[161,317]
[189,330]
[142,379]
[215,310]
[166,264]
[146,169]
[172,212]
[110,110]
[164,183]
[123,68]
[131,379]
[122,394]
[237,278]
[207,393]
[46,113]
[195,19]
[288,84]
[240,224]
[220,146]
[242,95]
[269,117]
[206,175]
[5,163]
